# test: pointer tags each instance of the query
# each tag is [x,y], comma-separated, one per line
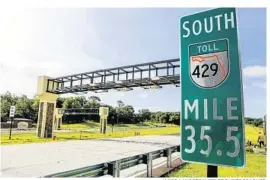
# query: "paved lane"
[36,160]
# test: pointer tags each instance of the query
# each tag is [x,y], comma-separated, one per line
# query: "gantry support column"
[103,114]
[58,118]
[47,108]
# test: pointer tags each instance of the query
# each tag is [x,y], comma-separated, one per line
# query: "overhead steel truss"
[81,111]
[146,75]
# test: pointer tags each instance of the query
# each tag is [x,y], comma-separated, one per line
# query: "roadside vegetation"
[255,162]
[90,130]
[120,114]
[255,168]
[123,121]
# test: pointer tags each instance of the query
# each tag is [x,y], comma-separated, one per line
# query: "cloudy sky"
[59,41]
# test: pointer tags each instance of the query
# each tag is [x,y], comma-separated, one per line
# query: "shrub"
[249,149]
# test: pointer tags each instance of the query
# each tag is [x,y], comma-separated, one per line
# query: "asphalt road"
[37,160]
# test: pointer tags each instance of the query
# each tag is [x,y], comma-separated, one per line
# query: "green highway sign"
[212,115]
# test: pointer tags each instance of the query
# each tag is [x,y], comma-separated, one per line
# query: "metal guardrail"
[114,167]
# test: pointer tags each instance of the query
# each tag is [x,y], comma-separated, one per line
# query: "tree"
[155,116]
[255,122]
[127,113]
[35,107]
[174,118]
[90,104]
[59,102]
[118,110]
[177,118]
[120,103]
[94,99]
[144,115]
[164,118]
[83,100]
[71,102]
[7,100]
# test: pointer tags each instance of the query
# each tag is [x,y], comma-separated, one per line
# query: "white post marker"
[11,116]
[12,111]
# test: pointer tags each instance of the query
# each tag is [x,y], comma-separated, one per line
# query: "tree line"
[122,113]
[258,122]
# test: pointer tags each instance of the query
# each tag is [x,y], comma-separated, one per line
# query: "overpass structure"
[146,75]
[152,75]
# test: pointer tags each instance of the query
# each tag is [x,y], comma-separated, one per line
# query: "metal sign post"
[212,118]
[11,116]
[212,171]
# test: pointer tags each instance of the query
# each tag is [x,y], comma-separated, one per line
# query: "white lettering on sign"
[215,116]
[207,25]
[230,108]
[187,29]
[12,111]
[194,107]
[231,20]
[218,21]
[206,48]
[205,109]
[199,27]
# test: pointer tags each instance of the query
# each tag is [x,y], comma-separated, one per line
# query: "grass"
[252,133]
[90,124]
[22,138]
[81,126]
[255,167]
[89,130]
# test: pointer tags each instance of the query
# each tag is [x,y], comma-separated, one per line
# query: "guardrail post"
[169,157]
[147,159]
[114,168]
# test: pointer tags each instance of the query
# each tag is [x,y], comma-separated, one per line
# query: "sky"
[60,41]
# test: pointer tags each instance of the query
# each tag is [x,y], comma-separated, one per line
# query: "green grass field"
[90,130]
[252,133]
[94,125]
[255,167]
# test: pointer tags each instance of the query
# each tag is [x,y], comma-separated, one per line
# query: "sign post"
[212,118]
[11,116]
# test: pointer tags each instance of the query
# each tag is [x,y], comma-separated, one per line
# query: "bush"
[249,149]
[253,121]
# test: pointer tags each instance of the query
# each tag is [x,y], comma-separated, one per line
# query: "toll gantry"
[152,75]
